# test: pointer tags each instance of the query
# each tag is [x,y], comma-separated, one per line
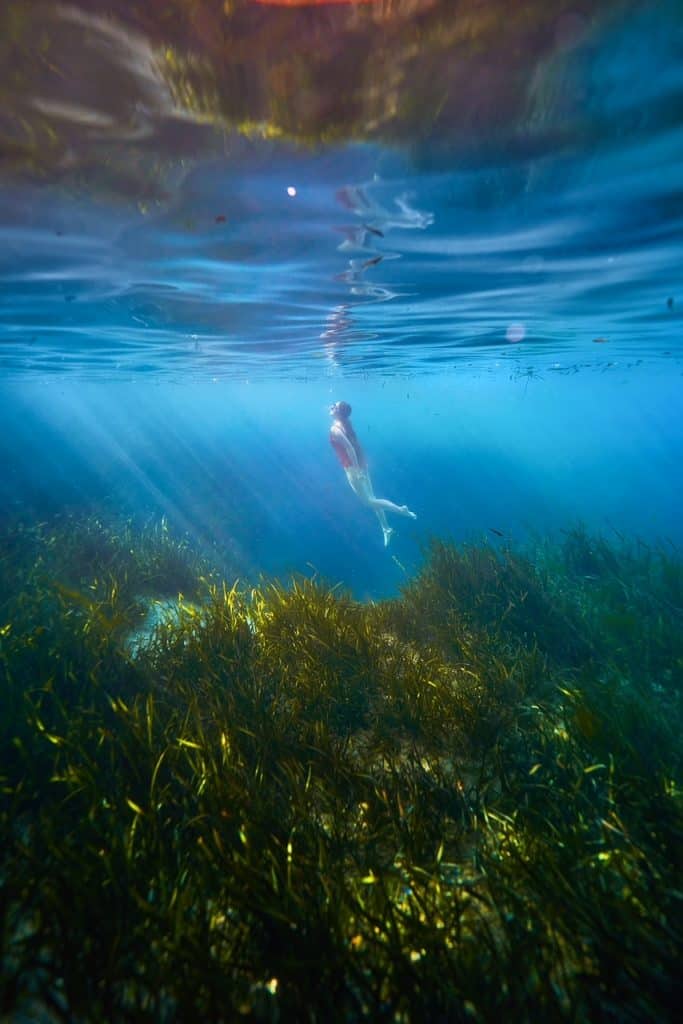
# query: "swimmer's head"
[342,410]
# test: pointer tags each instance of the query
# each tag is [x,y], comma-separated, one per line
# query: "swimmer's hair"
[341,409]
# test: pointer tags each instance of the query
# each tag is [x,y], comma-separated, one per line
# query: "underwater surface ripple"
[279,292]
[250,254]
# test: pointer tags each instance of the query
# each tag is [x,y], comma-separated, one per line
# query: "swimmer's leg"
[362,485]
[386,529]
[383,503]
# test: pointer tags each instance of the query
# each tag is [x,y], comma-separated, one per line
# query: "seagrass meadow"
[268,802]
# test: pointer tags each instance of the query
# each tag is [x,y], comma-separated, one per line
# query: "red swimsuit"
[340,448]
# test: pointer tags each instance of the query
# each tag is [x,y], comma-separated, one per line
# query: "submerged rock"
[161,612]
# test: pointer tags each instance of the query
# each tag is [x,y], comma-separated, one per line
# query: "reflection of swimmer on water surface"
[349,452]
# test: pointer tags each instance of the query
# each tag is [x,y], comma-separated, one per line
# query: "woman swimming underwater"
[349,452]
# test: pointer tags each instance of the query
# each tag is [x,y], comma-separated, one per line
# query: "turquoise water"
[248,466]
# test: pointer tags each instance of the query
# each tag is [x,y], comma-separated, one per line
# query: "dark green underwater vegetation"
[278,804]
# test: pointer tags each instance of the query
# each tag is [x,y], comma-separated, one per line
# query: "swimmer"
[349,452]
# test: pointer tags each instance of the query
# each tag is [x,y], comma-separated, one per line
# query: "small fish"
[599,341]
[498,533]
[374,231]
[220,219]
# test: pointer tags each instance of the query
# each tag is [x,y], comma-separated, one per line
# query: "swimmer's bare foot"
[405,511]
[387,531]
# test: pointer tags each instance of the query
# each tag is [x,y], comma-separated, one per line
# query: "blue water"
[502,306]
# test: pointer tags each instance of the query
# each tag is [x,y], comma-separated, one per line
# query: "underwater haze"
[464,218]
[246,466]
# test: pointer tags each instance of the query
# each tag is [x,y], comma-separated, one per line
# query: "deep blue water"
[248,466]
[500,301]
